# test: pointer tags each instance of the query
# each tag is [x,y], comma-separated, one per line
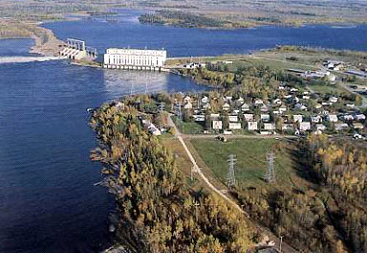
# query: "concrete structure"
[127,58]
[77,50]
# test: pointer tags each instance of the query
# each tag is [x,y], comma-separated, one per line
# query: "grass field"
[251,160]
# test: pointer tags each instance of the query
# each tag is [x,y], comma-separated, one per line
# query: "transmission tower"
[232,161]
[178,110]
[161,106]
[270,174]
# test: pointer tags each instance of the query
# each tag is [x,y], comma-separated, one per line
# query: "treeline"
[157,211]
[182,19]
[342,167]
[261,81]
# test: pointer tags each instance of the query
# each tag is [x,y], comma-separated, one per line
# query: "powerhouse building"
[134,58]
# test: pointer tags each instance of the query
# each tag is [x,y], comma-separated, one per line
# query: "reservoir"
[47,199]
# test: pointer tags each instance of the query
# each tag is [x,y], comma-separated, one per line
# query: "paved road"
[285,247]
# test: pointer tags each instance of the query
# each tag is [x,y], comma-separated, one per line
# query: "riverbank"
[46,43]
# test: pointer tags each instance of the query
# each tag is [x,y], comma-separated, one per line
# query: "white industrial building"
[134,58]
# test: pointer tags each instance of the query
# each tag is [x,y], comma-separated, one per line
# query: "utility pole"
[196,204]
[232,161]
[270,174]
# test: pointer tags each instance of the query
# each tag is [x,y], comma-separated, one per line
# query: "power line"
[270,174]
[231,180]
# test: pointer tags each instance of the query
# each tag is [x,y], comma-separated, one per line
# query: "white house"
[264,108]
[234,125]
[199,118]
[232,118]
[341,126]
[269,126]
[333,99]
[226,107]
[316,119]
[304,126]
[249,117]
[217,125]
[214,116]
[188,105]
[297,118]
[245,107]
[332,118]
[348,117]
[320,127]
[265,117]
[258,102]
[282,109]
[360,117]
[205,100]
[187,99]
[252,126]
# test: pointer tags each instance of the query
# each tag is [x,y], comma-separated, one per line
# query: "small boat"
[90,109]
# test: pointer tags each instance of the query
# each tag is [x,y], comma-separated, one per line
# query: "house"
[304,126]
[282,109]
[228,99]
[316,119]
[234,125]
[287,127]
[206,106]
[265,117]
[348,117]
[277,102]
[188,105]
[258,102]
[351,105]
[306,97]
[269,126]
[232,118]
[226,107]
[318,106]
[320,127]
[252,126]
[199,118]
[266,132]
[297,118]
[214,116]
[249,117]
[240,101]
[245,107]
[341,126]
[300,107]
[217,124]
[205,100]
[264,108]
[187,99]
[358,125]
[360,117]
[332,118]
[333,99]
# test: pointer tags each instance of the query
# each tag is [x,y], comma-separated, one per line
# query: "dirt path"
[285,247]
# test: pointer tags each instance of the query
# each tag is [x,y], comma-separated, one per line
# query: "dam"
[77,50]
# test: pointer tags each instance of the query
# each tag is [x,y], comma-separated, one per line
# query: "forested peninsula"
[157,210]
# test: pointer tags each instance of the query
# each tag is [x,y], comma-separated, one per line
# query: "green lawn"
[251,155]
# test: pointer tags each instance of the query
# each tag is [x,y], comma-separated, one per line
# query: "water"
[125,30]
[47,199]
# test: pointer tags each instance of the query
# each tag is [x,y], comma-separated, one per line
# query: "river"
[47,199]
